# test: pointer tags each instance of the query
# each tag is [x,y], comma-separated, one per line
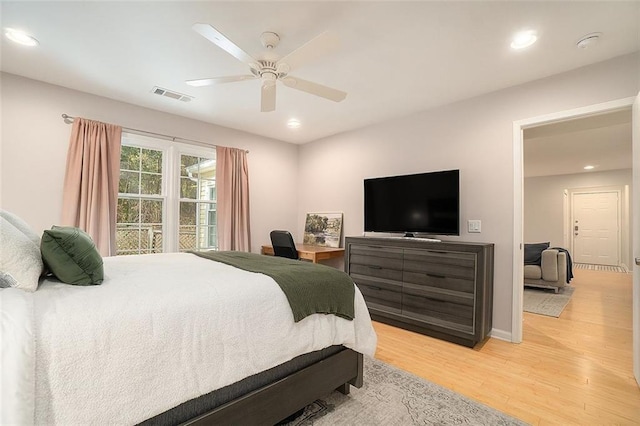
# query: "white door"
[595,228]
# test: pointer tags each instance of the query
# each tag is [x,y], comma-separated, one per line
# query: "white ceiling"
[602,141]
[395,58]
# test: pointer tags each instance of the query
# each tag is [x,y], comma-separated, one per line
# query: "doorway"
[595,227]
[518,147]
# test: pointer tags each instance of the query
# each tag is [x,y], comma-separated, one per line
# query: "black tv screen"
[421,203]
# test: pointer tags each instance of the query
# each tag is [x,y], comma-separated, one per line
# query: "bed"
[171,338]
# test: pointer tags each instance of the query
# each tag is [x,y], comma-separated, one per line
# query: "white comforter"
[161,329]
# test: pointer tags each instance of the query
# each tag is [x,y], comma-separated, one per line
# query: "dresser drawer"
[375,271]
[438,312]
[379,262]
[380,294]
[441,264]
[441,294]
[429,279]
[376,256]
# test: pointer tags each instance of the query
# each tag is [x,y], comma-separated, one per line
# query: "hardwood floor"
[576,369]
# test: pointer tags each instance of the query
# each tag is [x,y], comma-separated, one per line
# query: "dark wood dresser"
[441,289]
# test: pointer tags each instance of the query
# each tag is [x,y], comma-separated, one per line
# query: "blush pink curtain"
[90,195]
[232,183]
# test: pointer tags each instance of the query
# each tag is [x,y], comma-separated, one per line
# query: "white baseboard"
[501,335]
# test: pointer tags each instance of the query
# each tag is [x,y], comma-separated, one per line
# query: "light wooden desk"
[312,253]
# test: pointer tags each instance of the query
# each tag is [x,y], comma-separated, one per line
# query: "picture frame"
[323,229]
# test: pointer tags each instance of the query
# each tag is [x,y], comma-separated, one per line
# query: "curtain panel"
[90,195]
[232,184]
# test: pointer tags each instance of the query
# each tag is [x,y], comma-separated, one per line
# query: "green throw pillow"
[72,256]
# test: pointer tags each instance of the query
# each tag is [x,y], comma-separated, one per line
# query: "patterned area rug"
[602,268]
[546,302]
[394,397]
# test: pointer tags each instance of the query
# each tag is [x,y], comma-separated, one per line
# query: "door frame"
[619,190]
[518,190]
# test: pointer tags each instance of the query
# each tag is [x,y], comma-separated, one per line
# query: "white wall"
[475,136]
[35,139]
[543,205]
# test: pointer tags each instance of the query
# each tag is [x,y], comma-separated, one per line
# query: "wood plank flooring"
[576,369]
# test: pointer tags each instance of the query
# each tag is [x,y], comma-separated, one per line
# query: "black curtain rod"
[69,119]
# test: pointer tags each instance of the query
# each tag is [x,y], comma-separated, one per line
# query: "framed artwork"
[323,229]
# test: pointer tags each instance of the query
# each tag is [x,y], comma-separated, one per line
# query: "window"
[167,197]
[197,203]
[212,218]
[140,201]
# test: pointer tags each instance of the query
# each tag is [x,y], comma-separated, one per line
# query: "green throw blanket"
[310,288]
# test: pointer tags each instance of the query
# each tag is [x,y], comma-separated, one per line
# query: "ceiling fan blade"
[268,98]
[219,80]
[314,48]
[220,40]
[314,88]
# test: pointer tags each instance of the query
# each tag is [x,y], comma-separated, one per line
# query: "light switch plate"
[474,226]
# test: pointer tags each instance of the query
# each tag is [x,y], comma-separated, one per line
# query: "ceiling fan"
[270,69]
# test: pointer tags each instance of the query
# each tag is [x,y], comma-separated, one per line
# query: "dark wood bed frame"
[276,401]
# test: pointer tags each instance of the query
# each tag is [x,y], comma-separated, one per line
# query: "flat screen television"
[421,203]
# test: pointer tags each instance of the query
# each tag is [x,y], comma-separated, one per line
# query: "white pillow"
[21,225]
[20,260]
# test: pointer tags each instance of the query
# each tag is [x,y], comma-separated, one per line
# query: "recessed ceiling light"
[293,123]
[524,39]
[589,167]
[20,37]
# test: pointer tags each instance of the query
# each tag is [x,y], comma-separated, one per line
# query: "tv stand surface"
[412,237]
[442,289]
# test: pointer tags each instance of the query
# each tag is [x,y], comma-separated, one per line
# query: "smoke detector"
[588,40]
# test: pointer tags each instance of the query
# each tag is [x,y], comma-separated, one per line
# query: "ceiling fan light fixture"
[20,37]
[523,39]
[294,123]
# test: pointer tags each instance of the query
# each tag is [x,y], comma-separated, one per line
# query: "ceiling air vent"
[170,94]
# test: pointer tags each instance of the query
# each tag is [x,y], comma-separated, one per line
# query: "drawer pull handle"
[435,276]
[375,267]
[375,288]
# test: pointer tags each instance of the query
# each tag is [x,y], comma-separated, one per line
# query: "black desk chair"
[283,244]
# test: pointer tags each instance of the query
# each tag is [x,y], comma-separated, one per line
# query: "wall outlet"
[475,226]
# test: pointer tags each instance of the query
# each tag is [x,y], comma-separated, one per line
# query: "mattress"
[161,330]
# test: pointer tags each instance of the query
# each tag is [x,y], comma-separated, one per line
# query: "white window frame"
[215,204]
[184,149]
[139,141]
[170,187]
